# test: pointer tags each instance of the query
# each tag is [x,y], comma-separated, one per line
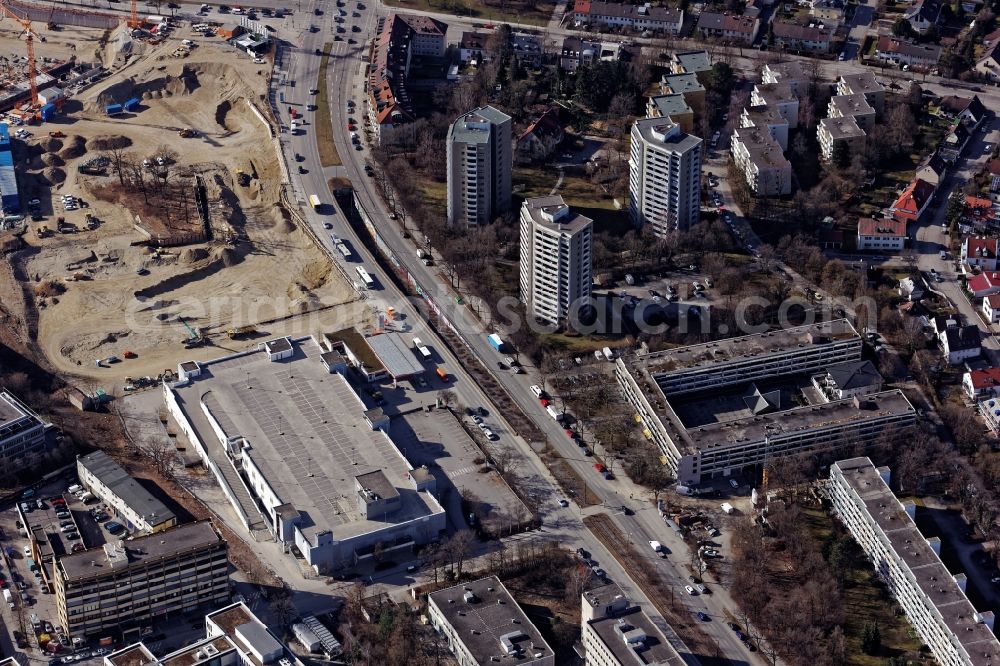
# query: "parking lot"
[59,523]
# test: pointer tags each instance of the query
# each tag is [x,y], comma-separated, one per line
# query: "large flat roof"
[708,354]
[777,424]
[307,434]
[121,483]
[396,356]
[488,617]
[552,213]
[117,555]
[15,416]
[666,135]
[932,577]
[653,647]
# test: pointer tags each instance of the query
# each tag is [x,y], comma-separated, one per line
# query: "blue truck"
[113,109]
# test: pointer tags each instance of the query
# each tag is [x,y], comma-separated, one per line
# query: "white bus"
[366,279]
[344,250]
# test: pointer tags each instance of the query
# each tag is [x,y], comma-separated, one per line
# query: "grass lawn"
[535,13]
[865,599]
[434,196]
[576,189]
[324,120]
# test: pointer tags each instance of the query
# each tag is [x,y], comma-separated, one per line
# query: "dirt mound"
[229,257]
[108,142]
[193,255]
[146,86]
[52,160]
[75,147]
[50,145]
[53,176]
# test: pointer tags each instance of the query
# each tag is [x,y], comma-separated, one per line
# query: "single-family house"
[932,169]
[979,213]
[923,14]
[472,47]
[984,284]
[991,308]
[911,289]
[982,383]
[541,138]
[960,343]
[979,252]
[914,200]
[970,110]
[988,66]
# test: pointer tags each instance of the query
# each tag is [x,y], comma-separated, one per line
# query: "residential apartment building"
[556,267]
[882,235]
[731,28]
[664,176]
[483,624]
[128,584]
[866,84]
[791,72]
[398,39]
[472,47]
[644,17]
[690,62]
[748,358]
[22,434]
[234,636]
[766,117]
[132,505]
[616,632]
[834,132]
[979,252]
[932,597]
[760,158]
[685,84]
[577,52]
[673,107]
[479,165]
[899,52]
[852,106]
[813,38]
[778,96]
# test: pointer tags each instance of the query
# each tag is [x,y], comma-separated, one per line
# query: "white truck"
[422,349]
[554,413]
[8,598]
[658,548]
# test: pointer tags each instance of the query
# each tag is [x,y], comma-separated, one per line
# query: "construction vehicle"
[194,339]
[241,332]
[130,354]
[30,45]
[242,177]
[43,231]
[187,133]
[57,134]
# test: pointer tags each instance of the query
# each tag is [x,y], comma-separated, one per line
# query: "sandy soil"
[273,276]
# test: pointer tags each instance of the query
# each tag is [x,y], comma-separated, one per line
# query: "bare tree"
[458,547]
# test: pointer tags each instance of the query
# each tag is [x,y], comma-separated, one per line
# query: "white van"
[537,390]
[75,488]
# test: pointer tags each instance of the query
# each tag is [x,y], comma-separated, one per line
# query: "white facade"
[759,157]
[480,160]
[664,176]
[556,258]
[933,599]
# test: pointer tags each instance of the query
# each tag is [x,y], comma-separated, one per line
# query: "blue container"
[4,136]
[113,109]
[48,111]
[132,104]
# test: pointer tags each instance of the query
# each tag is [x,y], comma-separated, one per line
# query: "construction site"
[155,229]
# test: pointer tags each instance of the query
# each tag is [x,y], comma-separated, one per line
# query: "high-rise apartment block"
[480,155]
[556,258]
[664,176]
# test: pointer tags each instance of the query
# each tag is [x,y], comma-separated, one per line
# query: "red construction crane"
[30,40]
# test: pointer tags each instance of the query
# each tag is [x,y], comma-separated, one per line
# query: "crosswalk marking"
[461,471]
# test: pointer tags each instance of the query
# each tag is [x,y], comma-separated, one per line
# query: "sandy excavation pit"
[116,296]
